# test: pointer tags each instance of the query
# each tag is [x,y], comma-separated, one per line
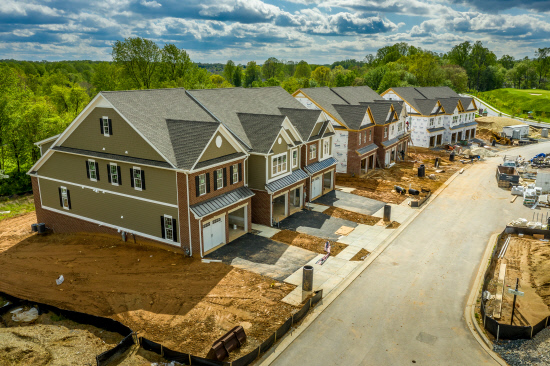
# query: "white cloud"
[150,4]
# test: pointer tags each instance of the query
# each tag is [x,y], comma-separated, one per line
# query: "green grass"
[17,206]
[57,318]
[515,101]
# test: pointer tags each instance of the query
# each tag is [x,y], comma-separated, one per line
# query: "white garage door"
[316,186]
[213,233]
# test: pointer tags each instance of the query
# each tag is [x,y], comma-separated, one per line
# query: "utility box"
[516,132]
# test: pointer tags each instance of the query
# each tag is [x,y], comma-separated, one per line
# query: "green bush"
[17,183]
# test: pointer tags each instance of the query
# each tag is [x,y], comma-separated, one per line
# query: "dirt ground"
[308,242]
[379,184]
[164,296]
[486,125]
[361,255]
[52,340]
[351,216]
[393,225]
[527,259]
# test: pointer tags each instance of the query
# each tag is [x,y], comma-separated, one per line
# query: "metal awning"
[212,205]
[390,142]
[287,181]
[367,149]
[437,129]
[320,165]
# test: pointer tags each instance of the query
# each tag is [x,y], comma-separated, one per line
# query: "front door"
[364,166]
[213,233]
[453,138]
[467,134]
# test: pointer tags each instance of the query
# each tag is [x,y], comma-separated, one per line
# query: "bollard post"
[387,213]
[436,164]
[307,279]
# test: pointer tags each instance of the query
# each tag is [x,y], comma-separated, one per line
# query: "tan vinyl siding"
[280,148]
[256,171]
[134,215]
[88,136]
[270,164]
[160,184]
[212,151]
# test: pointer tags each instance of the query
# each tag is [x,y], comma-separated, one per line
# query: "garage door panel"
[213,233]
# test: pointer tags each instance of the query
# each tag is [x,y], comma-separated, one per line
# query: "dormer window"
[106,126]
[432,120]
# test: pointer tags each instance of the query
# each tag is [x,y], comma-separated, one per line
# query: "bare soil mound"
[308,242]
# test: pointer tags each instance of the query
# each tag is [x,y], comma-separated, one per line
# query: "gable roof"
[303,119]
[327,98]
[261,130]
[226,103]
[418,98]
[352,115]
[149,110]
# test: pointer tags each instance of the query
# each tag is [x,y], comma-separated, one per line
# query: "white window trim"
[95,171]
[219,176]
[166,229]
[314,146]
[105,118]
[294,164]
[370,135]
[385,132]
[326,147]
[64,196]
[200,185]
[111,174]
[235,175]
[140,179]
[283,171]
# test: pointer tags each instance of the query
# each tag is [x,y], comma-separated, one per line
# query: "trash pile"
[524,223]
[22,315]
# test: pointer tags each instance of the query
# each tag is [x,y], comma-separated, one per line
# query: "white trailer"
[520,131]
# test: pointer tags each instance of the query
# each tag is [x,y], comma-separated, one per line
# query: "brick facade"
[193,199]
[354,160]
[305,157]
[261,202]
[307,188]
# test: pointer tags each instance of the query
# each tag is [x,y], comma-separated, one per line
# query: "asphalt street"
[407,306]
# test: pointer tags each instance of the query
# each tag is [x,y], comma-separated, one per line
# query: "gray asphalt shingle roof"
[212,205]
[357,94]
[352,115]
[219,160]
[367,149]
[262,129]
[418,98]
[436,129]
[303,119]
[148,110]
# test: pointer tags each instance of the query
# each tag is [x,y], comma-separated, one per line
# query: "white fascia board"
[52,138]
[287,123]
[229,137]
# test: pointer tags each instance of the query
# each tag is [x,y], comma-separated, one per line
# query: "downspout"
[200,235]
[189,217]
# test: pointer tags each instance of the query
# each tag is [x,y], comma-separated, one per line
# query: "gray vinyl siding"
[256,171]
[160,184]
[124,140]
[129,213]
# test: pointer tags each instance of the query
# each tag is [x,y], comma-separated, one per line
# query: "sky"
[318,31]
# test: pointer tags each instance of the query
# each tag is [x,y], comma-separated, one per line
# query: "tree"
[251,74]
[139,57]
[480,58]
[229,71]
[272,68]
[507,61]
[303,71]
[176,63]
[426,69]
[460,54]
[542,63]
[291,85]
[105,77]
[457,77]
[321,75]
[237,76]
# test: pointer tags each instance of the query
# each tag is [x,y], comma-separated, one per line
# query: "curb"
[469,311]
[287,340]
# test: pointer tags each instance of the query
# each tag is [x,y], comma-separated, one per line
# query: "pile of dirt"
[52,340]
[309,242]
[352,216]
[496,124]
[540,269]
[166,297]
[393,225]
[379,184]
[361,255]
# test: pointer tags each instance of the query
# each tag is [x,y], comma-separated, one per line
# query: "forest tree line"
[39,99]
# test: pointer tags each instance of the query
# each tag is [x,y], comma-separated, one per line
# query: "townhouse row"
[195,168]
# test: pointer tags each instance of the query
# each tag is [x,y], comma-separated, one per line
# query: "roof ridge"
[139,90]
[419,92]
[261,114]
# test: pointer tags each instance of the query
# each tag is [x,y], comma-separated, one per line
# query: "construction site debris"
[60,280]
[344,230]
[22,315]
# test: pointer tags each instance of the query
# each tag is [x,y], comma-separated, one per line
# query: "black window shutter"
[101,125]
[142,179]
[87,169]
[119,175]
[240,172]
[162,227]
[97,170]
[60,197]
[110,127]
[132,177]
[69,198]
[231,175]
[215,179]
[197,185]
[175,229]
[109,172]
[225,177]
[207,182]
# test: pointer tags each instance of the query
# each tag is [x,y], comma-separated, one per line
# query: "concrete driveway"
[316,224]
[263,255]
[350,202]
[407,306]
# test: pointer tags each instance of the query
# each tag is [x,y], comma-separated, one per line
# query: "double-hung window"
[370,135]
[294,158]
[235,177]
[168,228]
[278,164]
[326,146]
[385,132]
[202,184]
[138,179]
[106,126]
[432,120]
[65,203]
[219,178]
[364,136]
[312,151]
[114,174]
[91,167]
